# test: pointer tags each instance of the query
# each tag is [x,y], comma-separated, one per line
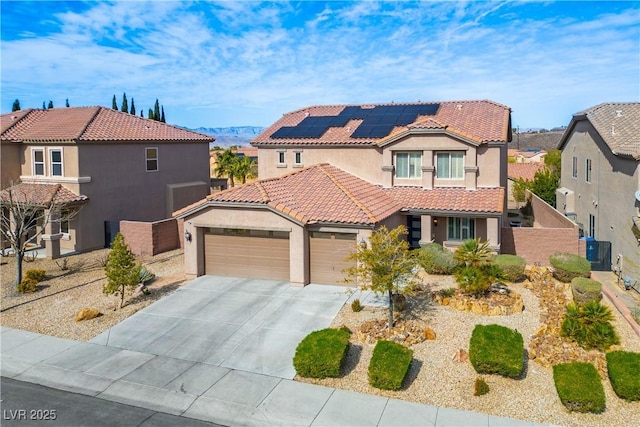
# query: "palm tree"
[226,164]
[474,253]
[244,168]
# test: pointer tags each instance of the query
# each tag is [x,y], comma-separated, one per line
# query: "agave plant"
[145,276]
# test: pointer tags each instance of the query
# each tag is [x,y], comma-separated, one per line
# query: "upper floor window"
[298,158]
[151,159]
[587,175]
[450,165]
[281,158]
[408,165]
[574,167]
[592,226]
[56,162]
[38,162]
[461,229]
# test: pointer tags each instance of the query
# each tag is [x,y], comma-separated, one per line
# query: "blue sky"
[219,64]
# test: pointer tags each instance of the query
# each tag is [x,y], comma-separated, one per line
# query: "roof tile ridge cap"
[265,196]
[464,134]
[27,114]
[348,193]
[91,120]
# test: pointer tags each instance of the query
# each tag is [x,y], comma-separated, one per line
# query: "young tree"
[122,270]
[519,188]
[16,105]
[553,161]
[133,107]
[544,185]
[385,265]
[25,213]
[66,103]
[162,119]
[156,111]
[226,165]
[50,106]
[114,103]
[125,105]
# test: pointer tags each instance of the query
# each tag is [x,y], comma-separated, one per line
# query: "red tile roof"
[458,199]
[525,171]
[85,124]
[41,195]
[480,121]
[326,194]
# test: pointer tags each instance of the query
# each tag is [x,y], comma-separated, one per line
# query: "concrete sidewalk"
[218,350]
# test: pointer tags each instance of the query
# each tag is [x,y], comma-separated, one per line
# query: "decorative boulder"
[429,334]
[87,314]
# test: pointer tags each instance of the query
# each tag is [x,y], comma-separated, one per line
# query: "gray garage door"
[328,252]
[257,254]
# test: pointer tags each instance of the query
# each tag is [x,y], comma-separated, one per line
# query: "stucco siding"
[10,164]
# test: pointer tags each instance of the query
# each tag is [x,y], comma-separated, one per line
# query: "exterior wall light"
[187,235]
[363,243]
[435,222]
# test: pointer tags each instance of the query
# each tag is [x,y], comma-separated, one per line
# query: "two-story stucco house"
[329,175]
[128,167]
[600,180]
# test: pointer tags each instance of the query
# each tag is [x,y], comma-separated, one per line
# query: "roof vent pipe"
[618,113]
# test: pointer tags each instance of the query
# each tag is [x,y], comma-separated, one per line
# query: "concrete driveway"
[245,324]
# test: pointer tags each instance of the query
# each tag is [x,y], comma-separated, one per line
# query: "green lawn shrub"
[321,353]
[590,325]
[437,260]
[480,387]
[585,290]
[512,266]
[624,373]
[579,387]
[389,365]
[567,266]
[495,349]
[35,274]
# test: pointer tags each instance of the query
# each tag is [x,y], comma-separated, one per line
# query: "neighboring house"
[438,168]
[600,182]
[219,184]
[516,171]
[532,155]
[128,167]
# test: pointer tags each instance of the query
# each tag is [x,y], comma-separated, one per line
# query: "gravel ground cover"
[435,378]
[53,308]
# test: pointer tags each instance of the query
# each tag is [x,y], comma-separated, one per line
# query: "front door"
[414,226]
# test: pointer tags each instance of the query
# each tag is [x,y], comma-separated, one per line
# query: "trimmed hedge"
[512,266]
[495,349]
[437,260]
[585,290]
[579,387]
[389,365]
[321,353]
[567,266]
[624,373]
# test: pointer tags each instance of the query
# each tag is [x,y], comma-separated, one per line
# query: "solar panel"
[377,122]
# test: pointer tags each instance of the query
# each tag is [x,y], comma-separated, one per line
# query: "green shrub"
[495,349]
[585,290]
[437,260]
[472,280]
[37,275]
[447,293]
[356,306]
[27,285]
[474,253]
[145,275]
[624,373]
[480,387]
[512,266]
[590,326]
[566,266]
[321,353]
[389,365]
[579,387]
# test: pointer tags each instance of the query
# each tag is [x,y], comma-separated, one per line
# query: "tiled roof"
[326,194]
[480,121]
[41,195]
[618,123]
[85,124]
[525,171]
[481,200]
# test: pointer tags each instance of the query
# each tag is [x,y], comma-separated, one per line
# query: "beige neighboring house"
[527,156]
[122,167]
[330,175]
[600,183]
[516,171]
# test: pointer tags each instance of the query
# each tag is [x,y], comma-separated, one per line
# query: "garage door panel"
[328,253]
[247,256]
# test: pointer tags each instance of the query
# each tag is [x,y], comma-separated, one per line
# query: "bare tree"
[27,209]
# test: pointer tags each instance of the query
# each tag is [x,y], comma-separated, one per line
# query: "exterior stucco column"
[193,246]
[299,257]
[52,235]
[471,177]
[387,169]
[493,232]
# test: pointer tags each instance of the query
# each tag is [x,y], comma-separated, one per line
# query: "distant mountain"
[237,135]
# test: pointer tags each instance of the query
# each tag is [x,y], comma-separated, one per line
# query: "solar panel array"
[377,122]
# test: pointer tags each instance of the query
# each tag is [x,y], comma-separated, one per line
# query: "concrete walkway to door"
[219,349]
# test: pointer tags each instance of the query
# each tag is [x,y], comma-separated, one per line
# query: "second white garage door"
[328,252]
[256,254]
